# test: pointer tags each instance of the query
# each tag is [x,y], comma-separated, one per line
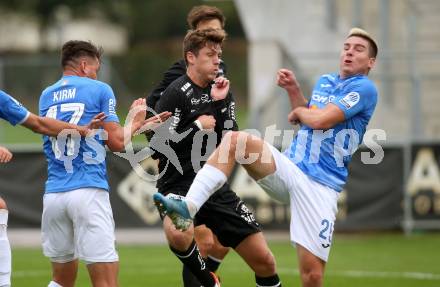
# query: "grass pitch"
[355,260]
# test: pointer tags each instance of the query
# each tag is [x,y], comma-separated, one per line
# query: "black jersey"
[187,101]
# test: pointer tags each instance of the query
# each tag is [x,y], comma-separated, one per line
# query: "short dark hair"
[204,13]
[195,40]
[358,32]
[74,49]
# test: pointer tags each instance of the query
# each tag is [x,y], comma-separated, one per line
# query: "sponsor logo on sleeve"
[350,100]
[189,92]
[112,107]
[323,99]
[185,87]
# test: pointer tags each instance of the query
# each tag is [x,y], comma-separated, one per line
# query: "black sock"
[196,264]
[272,281]
[212,263]
[189,280]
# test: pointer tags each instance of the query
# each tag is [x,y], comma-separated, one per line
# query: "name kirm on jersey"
[65,94]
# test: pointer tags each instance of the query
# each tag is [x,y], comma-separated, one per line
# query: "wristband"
[198,124]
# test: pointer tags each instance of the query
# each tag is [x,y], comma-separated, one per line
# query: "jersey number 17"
[78,110]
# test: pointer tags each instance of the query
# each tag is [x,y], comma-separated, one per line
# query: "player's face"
[209,24]
[90,67]
[355,58]
[207,62]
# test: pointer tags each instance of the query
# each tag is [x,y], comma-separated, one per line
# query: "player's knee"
[270,264]
[239,142]
[205,247]
[240,145]
[312,278]
[231,142]
[237,136]
[266,265]
[205,242]
[179,240]
[218,251]
[3,204]
[176,238]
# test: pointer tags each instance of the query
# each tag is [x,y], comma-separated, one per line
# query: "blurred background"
[141,39]
[396,199]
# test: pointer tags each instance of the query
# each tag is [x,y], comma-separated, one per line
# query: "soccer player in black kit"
[199,18]
[200,108]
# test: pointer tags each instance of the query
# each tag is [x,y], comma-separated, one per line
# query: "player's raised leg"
[250,151]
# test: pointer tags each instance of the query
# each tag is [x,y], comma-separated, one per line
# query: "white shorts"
[78,224]
[313,206]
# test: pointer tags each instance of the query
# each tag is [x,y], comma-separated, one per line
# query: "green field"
[356,260]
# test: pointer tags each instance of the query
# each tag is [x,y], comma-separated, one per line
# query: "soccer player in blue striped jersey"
[77,221]
[16,114]
[312,171]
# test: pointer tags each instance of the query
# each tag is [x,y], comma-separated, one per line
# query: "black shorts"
[225,214]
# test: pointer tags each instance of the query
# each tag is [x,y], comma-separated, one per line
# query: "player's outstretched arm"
[5,155]
[97,121]
[52,127]
[153,122]
[119,136]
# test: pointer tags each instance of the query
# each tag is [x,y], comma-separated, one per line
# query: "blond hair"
[358,32]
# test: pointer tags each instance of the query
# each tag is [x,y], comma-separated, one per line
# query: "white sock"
[54,284]
[207,181]
[5,250]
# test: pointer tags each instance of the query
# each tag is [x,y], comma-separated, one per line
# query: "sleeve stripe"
[24,119]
